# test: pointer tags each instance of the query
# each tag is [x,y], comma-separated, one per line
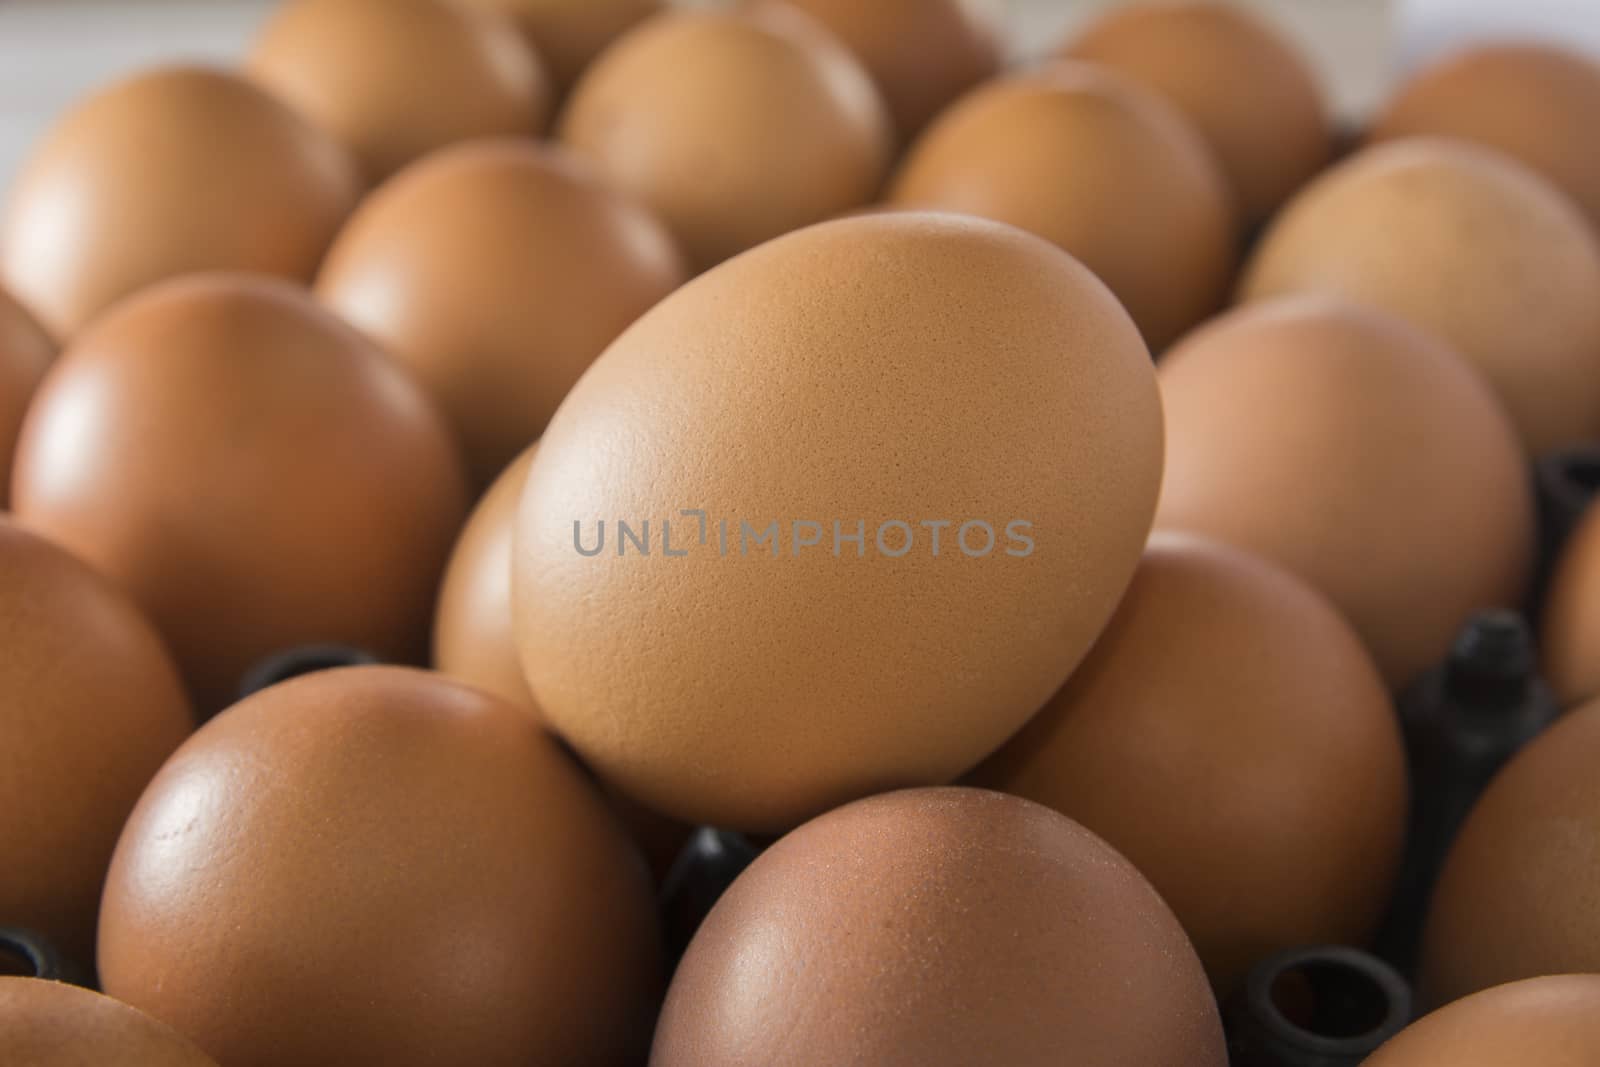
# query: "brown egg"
[398,869]
[90,704]
[1359,453]
[1540,1022]
[251,469]
[1516,898]
[1105,169]
[940,927]
[1534,102]
[964,397]
[569,34]
[1570,633]
[921,53]
[177,170]
[25,354]
[397,79]
[1250,767]
[52,1024]
[1471,246]
[734,127]
[1246,88]
[497,272]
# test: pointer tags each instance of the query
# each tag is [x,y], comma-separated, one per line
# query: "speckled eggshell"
[381,866]
[25,354]
[1540,1022]
[176,170]
[936,928]
[51,1024]
[1516,898]
[895,368]
[254,471]
[1102,167]
[1570,632]
[1361,454]
[396,79]
[497,272]
[1469,245]
[735,127]
[569,34]
[90,705]
[1246,87]
[1250,765]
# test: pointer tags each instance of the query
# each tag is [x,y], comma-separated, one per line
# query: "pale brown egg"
[177,170]
[1537,103]
[397,869]
[1469,245]
[1570,630]
[90,706]
[1361,454]
[941,928]
[897,472]
[496,272]
[25,354]
[1245,86]
[1230,735]
[1102,167]
[396,79]
[735,127]
[252,470]
[52,1024]
[569,34]
[1540,1022]
[1516,897]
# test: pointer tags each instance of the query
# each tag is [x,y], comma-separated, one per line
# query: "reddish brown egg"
[497,272]
[1540,1022]
[51,1024]
[254,471]
[90,705]
[1102,167]
[1570,634]
[940,927]
[174,171]
[396,79]
[25,354]
[382,866]
[1249,765]
[569,34]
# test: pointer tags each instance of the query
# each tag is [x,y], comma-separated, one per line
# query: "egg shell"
[569,34]
[379,865]
[898,368]
[168,172]
[1570,629]
[1469,245]
[1540,1022]
[52,1024]
[1246,87]
[396,79]
[25,354]
[90,706]
[497,271]
[1361,454]
[937,927]
[1102,167]
[252,470]
[735,127]
[1249,766]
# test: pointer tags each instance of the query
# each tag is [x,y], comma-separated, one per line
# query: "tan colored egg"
[497,272]
[90,705]
[1361,454]
[1540,1022]
[900,377]
[52,1024]
[569,34]
[399,869]
[735,127]
[176,170]
[921,53]
[1102,167]
[1248,764]
[254,471]
[25,354]
[1570,632]
[397,79]
[940,927]
[1469,245]
[1534,102]
[1246,87]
